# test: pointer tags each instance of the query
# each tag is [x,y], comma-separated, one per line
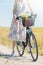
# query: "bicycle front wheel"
[33,47]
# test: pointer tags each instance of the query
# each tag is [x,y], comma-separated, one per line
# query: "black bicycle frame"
[27,36]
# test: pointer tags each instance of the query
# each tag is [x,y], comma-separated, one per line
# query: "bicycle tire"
[34,58]
[18,49]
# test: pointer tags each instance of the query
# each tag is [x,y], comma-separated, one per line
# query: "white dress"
[17,31]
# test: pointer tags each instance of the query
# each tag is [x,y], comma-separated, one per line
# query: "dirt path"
[16,60]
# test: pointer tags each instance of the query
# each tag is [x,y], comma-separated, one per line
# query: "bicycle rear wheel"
[33,47]
[20,48]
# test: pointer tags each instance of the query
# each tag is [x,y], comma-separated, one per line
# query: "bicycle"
[30,40]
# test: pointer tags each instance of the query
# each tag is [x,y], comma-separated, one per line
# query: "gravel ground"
[16,60]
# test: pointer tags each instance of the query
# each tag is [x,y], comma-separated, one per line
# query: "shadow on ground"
[16,58]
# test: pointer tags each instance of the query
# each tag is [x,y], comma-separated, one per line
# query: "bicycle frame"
[28,33]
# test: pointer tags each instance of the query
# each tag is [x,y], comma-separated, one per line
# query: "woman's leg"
[13,46]
[14,43]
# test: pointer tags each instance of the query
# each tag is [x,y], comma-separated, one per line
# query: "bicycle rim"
[20,48]
[33,47]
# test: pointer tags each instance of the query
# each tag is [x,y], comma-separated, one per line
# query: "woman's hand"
[14,17]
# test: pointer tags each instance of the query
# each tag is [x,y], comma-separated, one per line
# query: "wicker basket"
[28,21]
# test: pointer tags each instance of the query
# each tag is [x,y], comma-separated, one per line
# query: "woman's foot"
[12,54]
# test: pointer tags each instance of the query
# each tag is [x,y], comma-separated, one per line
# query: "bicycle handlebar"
[28,17]
[19,17]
